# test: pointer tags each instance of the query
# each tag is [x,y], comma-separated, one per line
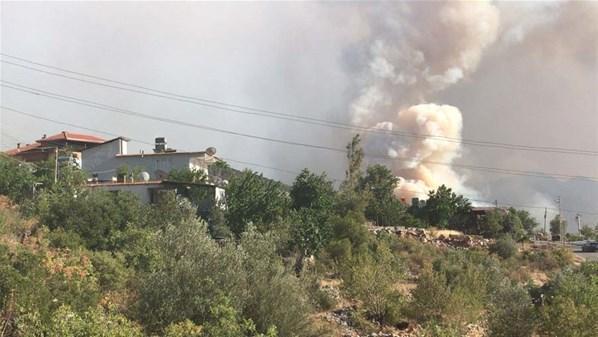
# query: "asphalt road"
[575,249]
[586,255]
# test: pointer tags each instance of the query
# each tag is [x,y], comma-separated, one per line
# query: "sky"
[450,73]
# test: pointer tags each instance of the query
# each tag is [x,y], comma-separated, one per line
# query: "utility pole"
[578,218]
[55,165]
[545,215]
[558,200]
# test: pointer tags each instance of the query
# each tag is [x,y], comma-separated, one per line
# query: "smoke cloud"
[418,49]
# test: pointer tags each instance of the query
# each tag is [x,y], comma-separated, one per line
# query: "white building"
[104,161]
[151,191]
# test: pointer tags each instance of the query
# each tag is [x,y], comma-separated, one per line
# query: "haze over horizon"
[521,73]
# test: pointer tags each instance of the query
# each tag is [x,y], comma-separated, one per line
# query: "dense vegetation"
[81,262]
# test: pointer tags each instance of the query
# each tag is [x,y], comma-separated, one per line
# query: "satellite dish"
[211,151]
[144,176]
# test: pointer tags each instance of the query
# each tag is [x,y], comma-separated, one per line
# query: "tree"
[16,179]
[588,232]
[312,198]
[492,223]
[528,222]
[379,181]
[312,191]
[379,184]
[512,225]
[557,226]
[355,157]
[446,209]
[309,233]
[251,198]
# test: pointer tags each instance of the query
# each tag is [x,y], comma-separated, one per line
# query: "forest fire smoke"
[407,63]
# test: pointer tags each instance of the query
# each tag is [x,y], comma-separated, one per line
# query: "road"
[576,249]
[586,255]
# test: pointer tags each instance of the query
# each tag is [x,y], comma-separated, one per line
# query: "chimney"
[160,145]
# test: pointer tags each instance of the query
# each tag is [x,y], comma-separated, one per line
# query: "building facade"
[104,162]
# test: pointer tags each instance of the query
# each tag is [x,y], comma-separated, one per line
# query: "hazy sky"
[518,72]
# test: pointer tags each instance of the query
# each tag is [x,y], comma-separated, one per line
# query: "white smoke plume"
[416,49]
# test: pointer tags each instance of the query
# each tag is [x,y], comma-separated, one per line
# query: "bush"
[190,273]
[110,270]
[94,323]
[60,238]
[371,279]
[275,297]
[504,247]
[184,328]
[324,300]
[430,297]
[571,306]
[456,289]
[434,329]
[16,179]
[98,217]
[511,313]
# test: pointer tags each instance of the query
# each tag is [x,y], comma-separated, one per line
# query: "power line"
[74,100]
[277,115]
[471,198]
[101,106]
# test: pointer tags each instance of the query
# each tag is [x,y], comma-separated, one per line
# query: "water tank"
[160,145]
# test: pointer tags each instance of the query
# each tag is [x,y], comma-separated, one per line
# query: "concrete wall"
[105,159]
[141,190]
[159,165]
[144,190]
[101,159]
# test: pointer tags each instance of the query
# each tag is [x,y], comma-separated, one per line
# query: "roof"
[73,137]
[161,154]
[15,151]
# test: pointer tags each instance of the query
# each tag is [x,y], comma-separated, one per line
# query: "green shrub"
[275,295]
[324,300]
[60,238]
[434,329]
[511,313]
[571,306]
[110,270]
[184,328]
[371,279]
[191,271]
[505,247]
[430,297]
[93,323]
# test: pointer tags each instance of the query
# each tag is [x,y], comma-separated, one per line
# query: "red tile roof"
[63,136]
[75,137]
[27,147]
